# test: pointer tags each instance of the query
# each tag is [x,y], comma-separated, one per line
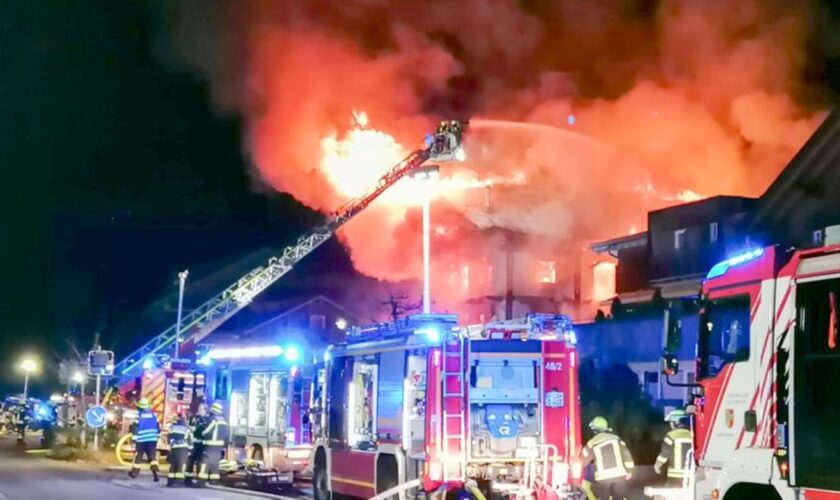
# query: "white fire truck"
[766,413]
[425,401]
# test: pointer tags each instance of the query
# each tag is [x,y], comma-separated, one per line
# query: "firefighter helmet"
[676,416]
[599,423]
[143,404]
[216,409]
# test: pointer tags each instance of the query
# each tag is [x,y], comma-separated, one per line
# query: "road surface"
[29,477]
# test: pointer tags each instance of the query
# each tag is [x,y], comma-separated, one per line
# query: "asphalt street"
[30,477]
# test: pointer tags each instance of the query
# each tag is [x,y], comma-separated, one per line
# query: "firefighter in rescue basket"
[613,461]
[675,448]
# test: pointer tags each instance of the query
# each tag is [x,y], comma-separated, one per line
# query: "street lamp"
[182,278]
[28,365]
[426,174]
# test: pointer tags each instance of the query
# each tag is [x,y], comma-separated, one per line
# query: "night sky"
[117,174]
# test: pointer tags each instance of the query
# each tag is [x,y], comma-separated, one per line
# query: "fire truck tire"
[747,491]
[321,484]
[386,474]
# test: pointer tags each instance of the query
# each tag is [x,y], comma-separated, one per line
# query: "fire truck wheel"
[321,484]
[746,491]
[387,474]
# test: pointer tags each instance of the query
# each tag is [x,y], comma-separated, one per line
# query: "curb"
[252,493]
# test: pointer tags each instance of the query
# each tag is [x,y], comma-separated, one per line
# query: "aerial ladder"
[443,146]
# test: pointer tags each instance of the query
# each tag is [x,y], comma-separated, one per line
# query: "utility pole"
[182,278]
[96,431]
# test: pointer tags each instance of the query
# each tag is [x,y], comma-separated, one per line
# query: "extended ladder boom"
[444,145]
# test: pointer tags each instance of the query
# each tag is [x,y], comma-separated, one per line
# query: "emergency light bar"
[268,351]
[721,268]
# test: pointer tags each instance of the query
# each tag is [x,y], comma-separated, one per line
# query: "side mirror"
[669,364]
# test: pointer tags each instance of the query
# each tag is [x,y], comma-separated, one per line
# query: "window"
[317,322]
[546,271]
[817,237]
[679,239]
[713,232]
[816,365]
[221,385]
[724,334]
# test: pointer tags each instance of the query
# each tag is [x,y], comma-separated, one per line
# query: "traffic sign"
[101,362]
[96,416]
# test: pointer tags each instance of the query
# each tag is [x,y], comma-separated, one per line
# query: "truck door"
[815,425]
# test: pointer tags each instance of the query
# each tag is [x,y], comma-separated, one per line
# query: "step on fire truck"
[767,412]
[426,401]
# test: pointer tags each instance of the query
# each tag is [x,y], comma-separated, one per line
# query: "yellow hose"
[119,447]
[476,493]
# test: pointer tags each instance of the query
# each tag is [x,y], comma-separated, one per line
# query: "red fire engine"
[767,418]
[266,391]
[427,402]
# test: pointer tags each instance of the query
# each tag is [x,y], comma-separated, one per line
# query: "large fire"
[603,112]
[354,163]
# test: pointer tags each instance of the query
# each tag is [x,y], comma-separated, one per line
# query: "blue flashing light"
[722,268]
[571,119]
[291,353]
[431,333]
[148,364]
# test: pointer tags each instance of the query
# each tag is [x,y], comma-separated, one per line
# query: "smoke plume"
[630,105]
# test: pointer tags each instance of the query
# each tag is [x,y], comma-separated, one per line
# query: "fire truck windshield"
[724,334]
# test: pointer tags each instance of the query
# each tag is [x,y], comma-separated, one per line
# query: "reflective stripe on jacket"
[610,454]
[148,428]
[216,433]
[675,447]
[179,436]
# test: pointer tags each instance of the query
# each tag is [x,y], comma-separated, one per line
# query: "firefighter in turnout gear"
[613,462]
[675,448]
[146,433]
[199,422]
[215,438]
[180,438]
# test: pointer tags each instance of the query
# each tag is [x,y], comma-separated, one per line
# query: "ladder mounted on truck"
[442,146]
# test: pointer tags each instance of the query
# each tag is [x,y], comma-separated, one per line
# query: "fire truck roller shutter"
[504,397]
[389,398]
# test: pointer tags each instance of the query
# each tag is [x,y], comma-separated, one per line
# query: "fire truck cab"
[428,402]
[767,416]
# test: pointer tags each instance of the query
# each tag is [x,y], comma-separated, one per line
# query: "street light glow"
[341,324]
[28,365]
[78,376]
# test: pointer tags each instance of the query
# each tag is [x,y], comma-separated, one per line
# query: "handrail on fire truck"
[444,145]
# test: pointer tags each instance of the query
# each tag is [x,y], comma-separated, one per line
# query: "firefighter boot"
[155,470]
[134,472]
